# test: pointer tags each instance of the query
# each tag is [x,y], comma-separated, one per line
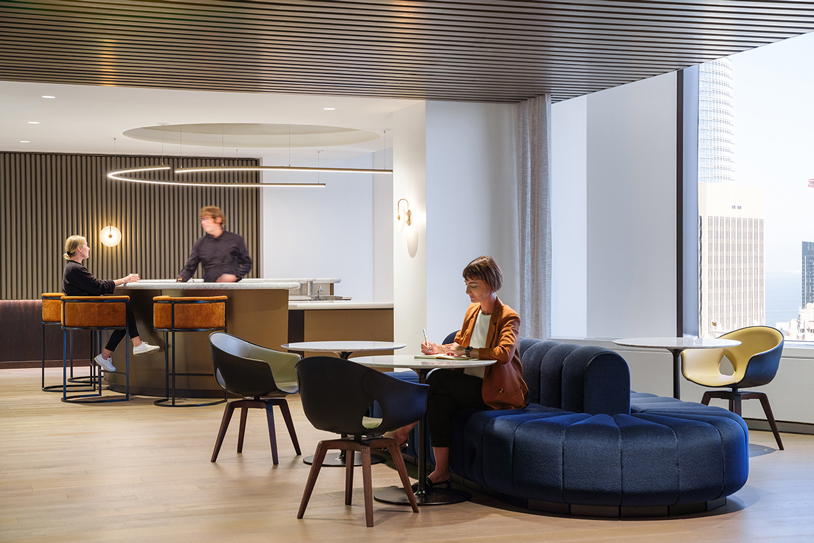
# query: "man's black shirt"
[226,253]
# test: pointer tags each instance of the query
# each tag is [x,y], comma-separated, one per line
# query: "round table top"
[674,343]
[342,346]
[408,361]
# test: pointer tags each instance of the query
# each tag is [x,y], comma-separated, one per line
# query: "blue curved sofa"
[587,445]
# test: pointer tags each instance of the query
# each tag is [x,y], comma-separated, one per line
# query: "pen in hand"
[426,341]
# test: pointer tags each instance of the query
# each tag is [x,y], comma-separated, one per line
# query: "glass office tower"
[730,217]
[716,126]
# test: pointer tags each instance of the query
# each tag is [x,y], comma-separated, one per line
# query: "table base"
[338,460]
[434,496]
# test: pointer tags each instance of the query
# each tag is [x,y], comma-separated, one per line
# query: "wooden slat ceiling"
[471,50]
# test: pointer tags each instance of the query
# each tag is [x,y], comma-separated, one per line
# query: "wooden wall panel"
[21,321]
[44,198]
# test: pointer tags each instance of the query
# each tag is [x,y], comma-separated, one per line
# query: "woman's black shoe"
[428,484]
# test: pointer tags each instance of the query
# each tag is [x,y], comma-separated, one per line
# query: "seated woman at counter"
[78,281]
[489,332]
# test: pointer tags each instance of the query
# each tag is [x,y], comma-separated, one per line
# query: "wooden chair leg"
[707,397]
[244,412]
[319,458]
[272,432]
[401,468]
[368,485]
[289,423]
[736,403]
[349,465]
[224,424]
[767,409]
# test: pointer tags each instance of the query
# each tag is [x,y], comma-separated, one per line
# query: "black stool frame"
[171,398]
[97,397]
[73,382]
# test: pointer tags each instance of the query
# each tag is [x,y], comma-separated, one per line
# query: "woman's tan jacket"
[503,385]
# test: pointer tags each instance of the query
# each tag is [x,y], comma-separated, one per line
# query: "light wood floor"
[133,472]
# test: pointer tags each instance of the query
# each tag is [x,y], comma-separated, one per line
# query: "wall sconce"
[408,215]
[110,236]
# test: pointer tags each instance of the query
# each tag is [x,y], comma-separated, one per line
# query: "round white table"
[343,348]
[422,366]
[675,345]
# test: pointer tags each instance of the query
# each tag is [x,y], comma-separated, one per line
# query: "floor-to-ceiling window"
[755,174]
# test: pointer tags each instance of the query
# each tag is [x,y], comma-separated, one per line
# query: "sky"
[773,93]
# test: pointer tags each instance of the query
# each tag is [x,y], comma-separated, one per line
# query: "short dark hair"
[214,212]
[485,269]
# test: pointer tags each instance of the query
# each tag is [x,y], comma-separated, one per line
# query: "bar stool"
[52,315]
[94,313]
[178,314]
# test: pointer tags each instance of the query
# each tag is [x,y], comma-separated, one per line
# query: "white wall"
[614,222]
[382,227]
[323,232]
[627,260]
[569,223]
[471,204]
[410,244]
[631,171]
[455,163]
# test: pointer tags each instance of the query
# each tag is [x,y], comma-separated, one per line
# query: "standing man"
[223,254]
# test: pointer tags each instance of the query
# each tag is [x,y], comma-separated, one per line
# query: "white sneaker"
[145,348]
[106,363]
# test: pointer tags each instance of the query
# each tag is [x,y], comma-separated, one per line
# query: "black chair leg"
[43,356]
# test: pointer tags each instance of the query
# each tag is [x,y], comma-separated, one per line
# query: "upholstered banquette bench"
[587,445]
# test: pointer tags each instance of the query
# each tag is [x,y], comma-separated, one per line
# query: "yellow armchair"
[755,362]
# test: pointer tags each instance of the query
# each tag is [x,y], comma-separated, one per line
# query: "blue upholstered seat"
[586,439]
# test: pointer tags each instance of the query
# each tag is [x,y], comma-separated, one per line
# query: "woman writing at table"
[489,332]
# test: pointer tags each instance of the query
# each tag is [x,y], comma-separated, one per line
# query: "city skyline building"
[716,122]
[731,256]
[808,273]
[731,261]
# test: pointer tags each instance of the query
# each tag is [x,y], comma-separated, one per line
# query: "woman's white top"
[478,341]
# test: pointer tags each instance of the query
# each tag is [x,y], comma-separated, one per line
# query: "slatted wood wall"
[473,50]
[44,198]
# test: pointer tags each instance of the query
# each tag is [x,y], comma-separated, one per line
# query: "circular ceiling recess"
[251,135]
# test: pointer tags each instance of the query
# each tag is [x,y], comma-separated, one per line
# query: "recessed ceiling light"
[45,96]
[24,141]
[33,122]
[329,108]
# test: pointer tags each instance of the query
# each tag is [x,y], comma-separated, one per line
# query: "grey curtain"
[534,181]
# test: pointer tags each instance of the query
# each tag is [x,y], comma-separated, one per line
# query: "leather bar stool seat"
[94,313]
[186,314]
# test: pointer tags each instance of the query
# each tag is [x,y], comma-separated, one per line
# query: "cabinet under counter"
[340,320]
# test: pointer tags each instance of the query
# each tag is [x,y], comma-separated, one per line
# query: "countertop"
[338,304]
[171,284]
[297,279]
